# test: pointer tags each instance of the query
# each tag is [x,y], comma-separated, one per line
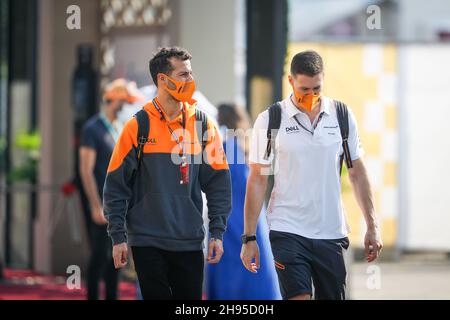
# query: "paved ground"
[413,277]
[419,276]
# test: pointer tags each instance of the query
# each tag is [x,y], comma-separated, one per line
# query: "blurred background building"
[389,60]
[391,77]
[40,224]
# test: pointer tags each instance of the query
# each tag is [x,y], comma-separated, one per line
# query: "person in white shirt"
[308,227]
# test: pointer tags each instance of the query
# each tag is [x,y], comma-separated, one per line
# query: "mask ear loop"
[178,89]
[165,86]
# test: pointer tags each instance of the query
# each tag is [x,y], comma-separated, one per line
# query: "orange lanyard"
[181,144]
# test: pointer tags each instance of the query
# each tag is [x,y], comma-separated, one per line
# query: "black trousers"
[101,264]
[169,275]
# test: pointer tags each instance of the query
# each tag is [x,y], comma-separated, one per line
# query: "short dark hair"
[228,115]
[307,62]
[160,62]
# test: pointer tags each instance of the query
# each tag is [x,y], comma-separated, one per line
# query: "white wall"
[207,31]
[424,147]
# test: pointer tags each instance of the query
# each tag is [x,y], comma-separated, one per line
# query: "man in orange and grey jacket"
[155,207]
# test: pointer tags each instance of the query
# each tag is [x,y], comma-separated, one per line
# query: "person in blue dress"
[229,280]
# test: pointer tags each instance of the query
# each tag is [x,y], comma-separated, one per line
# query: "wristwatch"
[245,238]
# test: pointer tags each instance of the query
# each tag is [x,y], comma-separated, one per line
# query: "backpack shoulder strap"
[273,127]
[342,116]
[142,134]
[201,126]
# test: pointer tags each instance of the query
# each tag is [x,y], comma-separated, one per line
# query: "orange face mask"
[307,101]
[180,90]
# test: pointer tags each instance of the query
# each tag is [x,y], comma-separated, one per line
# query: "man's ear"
[291,80]
[160,77]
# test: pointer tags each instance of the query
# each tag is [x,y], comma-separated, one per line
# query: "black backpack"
[342,115]
[144,128]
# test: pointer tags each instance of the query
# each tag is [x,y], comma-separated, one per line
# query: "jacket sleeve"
[117,191]
[215,182]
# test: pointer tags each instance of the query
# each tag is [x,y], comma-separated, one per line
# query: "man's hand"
[120,255]
[250,251]
[215,251]
[372,244]
[98,216]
